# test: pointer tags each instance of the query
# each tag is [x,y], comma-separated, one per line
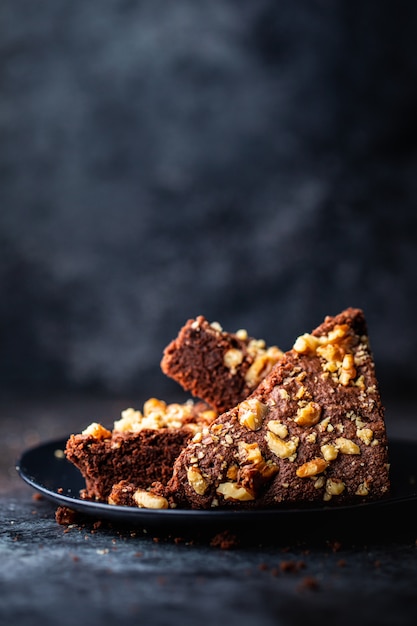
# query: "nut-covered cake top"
[312,431]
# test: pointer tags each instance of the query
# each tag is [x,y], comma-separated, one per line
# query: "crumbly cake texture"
[312,432]
[218,367]
[141,448]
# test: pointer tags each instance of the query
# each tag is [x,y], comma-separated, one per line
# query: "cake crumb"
[65,516]
[309,582]
[224,540]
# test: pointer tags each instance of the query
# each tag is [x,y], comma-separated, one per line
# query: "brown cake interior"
[141,448]
[219,367]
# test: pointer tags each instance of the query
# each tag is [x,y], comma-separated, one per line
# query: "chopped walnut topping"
[365,434]
[97,431]
[232,359]
[196,480]
[347,446]
[319,482]
[145,499]
[361,356]
[360,382]
[312,468]
[262,364]
[329,452]
[348,371]
[232,491]
[334,487]
[232,472]
[333,356]
[250,452]
[308,415]
[363,489]
[251,413]
[306,344]
[282,449]
[254,469]
[158,414]
[323,425]
[301,392]
[278,428]
[335,351]
[283,393]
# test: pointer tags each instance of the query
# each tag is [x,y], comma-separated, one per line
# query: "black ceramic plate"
[46,470]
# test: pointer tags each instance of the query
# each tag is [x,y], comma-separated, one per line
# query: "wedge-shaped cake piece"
[141,448]
[218,367]
[313,431]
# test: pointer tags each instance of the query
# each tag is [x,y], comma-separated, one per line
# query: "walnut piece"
[312,468]
[308,415]
[335,351]
[146,500]
[158,414]
[329,452]
[278,428]
[348,370]
[334,487]
[347,446]
[97,431]
[262,364]
[251,458]
[282,449]
[251,413]
[232,491]
[365,434]
[363,489]
[197,481]
[250,452]
[232,359]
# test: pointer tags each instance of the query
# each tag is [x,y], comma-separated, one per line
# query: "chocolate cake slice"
[218,367]
[141,448]
[312,432]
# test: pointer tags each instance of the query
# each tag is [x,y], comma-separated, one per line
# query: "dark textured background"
[254,162]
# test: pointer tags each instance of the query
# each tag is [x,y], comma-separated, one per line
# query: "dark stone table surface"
[92,573]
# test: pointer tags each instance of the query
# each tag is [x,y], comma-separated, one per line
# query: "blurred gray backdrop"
[254,162]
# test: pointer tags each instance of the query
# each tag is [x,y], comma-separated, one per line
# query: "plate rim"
[109,511]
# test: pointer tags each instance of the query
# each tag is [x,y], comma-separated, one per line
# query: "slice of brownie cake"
[313,431]
[141,448]
[218,367]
